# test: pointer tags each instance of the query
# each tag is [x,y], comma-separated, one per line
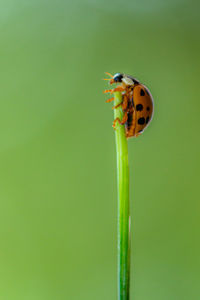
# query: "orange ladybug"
[137,103]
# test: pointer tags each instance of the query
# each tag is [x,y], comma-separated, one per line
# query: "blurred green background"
[58,201]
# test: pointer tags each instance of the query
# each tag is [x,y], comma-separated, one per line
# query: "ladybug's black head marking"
[118,77]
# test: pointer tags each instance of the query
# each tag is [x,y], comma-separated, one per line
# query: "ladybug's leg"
[115,121]
[125,102]
[110,100]
[128,134]
[130,131]
[124,119]
[118,105]
[109,74]
[108,91]
[122,122]
[120,88]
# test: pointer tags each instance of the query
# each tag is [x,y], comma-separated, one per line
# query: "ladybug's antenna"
[109,74]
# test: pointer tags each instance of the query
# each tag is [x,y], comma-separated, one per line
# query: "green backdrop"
[58,202]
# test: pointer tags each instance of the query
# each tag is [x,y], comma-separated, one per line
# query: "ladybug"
[137,103]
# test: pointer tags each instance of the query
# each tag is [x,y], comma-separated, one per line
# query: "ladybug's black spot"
[141,121]
[147,119]
[148,108]
[139,107]
[142,92]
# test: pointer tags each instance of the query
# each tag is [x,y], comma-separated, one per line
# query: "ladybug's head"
[126,79]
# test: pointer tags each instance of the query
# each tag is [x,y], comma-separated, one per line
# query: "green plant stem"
[123,205]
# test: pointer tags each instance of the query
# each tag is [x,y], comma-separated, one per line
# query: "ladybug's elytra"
[137,103]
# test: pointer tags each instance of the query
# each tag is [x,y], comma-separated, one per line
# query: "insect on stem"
[136,113]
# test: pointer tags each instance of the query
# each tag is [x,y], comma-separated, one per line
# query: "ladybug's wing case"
[143,106]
